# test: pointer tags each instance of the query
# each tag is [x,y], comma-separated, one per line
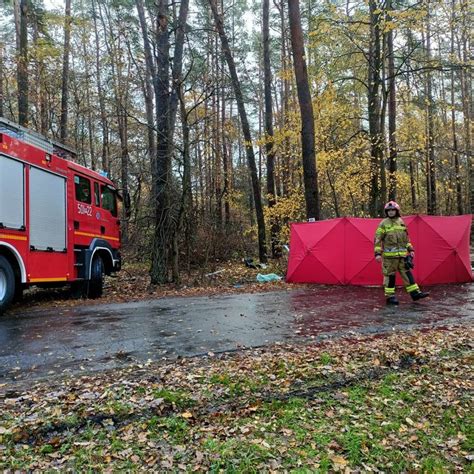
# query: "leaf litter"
[400,402]
[133,284]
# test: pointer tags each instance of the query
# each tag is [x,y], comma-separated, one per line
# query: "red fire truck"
[59,221]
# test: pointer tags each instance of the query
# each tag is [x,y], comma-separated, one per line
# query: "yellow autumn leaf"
[339,461]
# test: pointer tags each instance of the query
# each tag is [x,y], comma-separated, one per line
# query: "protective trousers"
[389,268]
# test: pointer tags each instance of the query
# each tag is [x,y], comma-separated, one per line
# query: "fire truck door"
[86,222]
[47,205]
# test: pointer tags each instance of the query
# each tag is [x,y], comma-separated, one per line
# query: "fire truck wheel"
[96,283]
[7,284]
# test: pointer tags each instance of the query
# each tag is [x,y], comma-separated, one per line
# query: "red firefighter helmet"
[391,205]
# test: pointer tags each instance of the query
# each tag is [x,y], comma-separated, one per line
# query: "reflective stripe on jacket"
[391,239]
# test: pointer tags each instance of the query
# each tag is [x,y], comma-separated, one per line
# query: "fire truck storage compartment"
[12,206]
[47,211]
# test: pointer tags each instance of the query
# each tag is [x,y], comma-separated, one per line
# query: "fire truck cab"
[59,221]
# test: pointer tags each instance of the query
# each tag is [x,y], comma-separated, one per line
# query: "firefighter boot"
[392,301]
[418,295]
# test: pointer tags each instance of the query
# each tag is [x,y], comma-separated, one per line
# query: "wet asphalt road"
[39,343]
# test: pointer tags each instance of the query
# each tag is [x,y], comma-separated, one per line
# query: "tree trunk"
[468,106]
[90,121]
[177,66]
[39,82]
[187,182]
[414,203]
[100,92]
[17,19]
[310,175]
[186,197]
[65,76]
[392,112]
[411,163]
[1,80]
[22,70]
[284,158]
[383,114]
[246,132]
[124,165]
[176,93]
[267,73]
[430,152]
[162,170]
[160,166]
[459,203]
[225,157]
[334,194]
[150,76]
[374,109]
[120,89]
[216,137]
[199,160]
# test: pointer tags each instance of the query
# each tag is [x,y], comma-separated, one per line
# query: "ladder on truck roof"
[36,139]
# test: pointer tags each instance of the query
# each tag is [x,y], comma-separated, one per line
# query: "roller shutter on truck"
[12,192]
[47,211]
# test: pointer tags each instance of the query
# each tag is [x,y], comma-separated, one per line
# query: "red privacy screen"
[341,251]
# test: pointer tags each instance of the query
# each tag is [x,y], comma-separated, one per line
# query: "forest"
[223,121]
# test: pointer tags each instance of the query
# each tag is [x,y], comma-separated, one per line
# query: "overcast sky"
[54,4]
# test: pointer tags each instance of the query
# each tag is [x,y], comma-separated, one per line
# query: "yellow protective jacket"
[391,239]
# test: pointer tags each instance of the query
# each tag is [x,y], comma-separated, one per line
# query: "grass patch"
[177,398]
[295,409]
[326,358]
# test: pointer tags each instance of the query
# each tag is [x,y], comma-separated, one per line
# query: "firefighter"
[86,195]
[394,250]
